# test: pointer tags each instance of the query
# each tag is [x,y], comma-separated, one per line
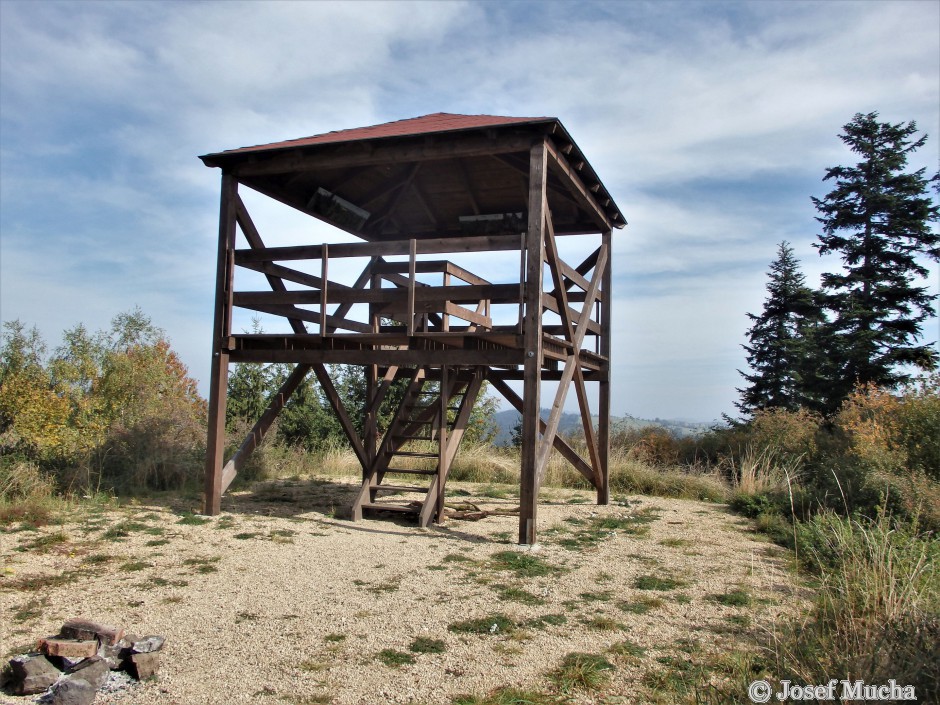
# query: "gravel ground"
[277,601]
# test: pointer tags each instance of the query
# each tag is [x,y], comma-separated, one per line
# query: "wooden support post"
[221,330]
[442,441]
[324,271]
[412,253]
[532,342]
[603,403]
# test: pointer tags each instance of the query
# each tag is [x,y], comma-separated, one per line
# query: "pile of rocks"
[85,657]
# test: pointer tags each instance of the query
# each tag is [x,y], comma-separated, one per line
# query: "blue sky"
[711,123]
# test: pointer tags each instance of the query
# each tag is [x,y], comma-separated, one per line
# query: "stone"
[57,646]
[72,690]
[85,630]
[32,673]
[143,666]
[95,670]
[114,655]
[148,644]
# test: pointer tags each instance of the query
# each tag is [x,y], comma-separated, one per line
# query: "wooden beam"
[532,335]
[326,384]
[410,314]
[566,376]
[478,243]
[554,265]
[466,294]
[375,221]
[300,314]
[254,438]
[425,149]
[401,358]
[221,329]
[559,443]
[603,404]
[582,194]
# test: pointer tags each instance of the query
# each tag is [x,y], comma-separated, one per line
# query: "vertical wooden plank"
[532,341]
[519,327]
[603,410]
[221,329]
[442,441]
[324,271]
[412,254]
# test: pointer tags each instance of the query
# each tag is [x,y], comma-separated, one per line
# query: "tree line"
[809,349]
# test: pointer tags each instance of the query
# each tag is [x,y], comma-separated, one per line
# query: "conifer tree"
[878,219]
[779,341]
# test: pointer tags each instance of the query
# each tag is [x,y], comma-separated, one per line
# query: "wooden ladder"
[429,425]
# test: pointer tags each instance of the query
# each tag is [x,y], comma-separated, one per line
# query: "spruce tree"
[779,339]
[878,220]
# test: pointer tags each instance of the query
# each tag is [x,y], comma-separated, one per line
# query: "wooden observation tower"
[420,195]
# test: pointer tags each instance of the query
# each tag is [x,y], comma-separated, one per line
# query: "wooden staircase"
[420,444]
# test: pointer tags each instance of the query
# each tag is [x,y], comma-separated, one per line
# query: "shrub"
[877,613]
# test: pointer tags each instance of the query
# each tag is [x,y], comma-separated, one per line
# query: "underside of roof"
[440,175]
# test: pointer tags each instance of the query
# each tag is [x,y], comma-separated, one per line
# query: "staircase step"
[412,453]
[402,488]
[416,438]
[391,508]
[407,471]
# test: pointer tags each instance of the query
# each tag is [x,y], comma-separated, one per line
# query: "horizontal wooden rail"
[431,267]
[479,243]
[471,293]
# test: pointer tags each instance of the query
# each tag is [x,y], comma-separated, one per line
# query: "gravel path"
[277,601]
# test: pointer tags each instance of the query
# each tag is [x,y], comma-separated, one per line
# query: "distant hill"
[506,420]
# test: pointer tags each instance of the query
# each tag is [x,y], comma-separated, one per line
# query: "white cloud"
[705,121]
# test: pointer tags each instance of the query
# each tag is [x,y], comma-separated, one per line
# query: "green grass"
[334,638]
[135,566]
[603,596]
[34,609]
[581,671]
[516,594]
[524,565]
[640,605]
[395,659]
[656,582]
[492,624]
[42,544]
[203,565]
[546,620]
[734,598]
[194,520]
[628,650]
[427,645]
[507,696]
[122,530]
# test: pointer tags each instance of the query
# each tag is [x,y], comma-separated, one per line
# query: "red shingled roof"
[436,122]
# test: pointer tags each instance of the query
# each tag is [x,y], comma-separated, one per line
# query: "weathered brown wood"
[532,334]
[430,267]
[463,294]
[603,395]
[289,161]
[222,328]
[375,222]
[577,188]
[417,188]
[410,313]
[559,443]
[551,425]
[385,248]
[326,384]
[401,358]
[254,438]
[556,269]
